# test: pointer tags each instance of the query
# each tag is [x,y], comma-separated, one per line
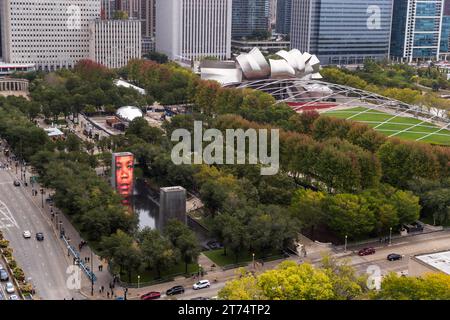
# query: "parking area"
[8,291]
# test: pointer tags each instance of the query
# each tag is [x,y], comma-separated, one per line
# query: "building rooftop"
[54,132]
[121,83]
[438,260]
[129,113]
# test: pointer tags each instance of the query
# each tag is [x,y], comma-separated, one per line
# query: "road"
[44,262]
[407,247]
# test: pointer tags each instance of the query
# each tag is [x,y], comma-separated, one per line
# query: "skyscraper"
[417,29]
[113,43]
[51,34]
[131,7]
[250,17]
[342,31]
[108,9]
[189,30]
[147,15]
[445,34]
[283,21]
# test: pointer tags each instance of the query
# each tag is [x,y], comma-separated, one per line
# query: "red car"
[366,251]
[151,296]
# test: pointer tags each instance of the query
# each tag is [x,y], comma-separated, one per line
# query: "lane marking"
[6,215]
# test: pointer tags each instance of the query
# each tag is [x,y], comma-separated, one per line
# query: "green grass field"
[391,125]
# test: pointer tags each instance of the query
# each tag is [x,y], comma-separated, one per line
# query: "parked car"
[213,245]
[14,297]
[201,285]
[39,236]
[27,234]
[10,288]
[1,266]
[4,275]
[394,257]
[151,296]
[366,251]
[1,297]
[16,183]
[175,290]
[414,227]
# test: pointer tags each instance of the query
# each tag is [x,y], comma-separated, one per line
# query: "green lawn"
[405,127]
[151,275]
[219,259]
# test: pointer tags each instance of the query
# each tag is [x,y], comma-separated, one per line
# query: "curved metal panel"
[221,75]
[298,56]
[253,65]
[288,57]
[281,69]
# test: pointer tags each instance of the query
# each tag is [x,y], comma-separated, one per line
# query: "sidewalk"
[104,278]
[219,274]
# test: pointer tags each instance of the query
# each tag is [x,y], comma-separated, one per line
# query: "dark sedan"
[175,290]
[394,257]
[39,236]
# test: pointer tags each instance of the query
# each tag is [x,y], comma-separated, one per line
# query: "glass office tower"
[445,34]
[417,29]
[250,17]
[284,8]
[342,31]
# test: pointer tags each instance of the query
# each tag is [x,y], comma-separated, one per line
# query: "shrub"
[12,264]
[4,244]
[19,274]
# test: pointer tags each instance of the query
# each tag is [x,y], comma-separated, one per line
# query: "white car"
[27,234]
[201,285]
[14,297]
[10,288]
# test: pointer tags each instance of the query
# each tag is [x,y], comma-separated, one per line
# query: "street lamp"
[92,274]
[253,260]
[390,235]
[42,195]
[345,245]
[139,281]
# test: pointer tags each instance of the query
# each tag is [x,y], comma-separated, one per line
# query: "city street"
[44,262]
[407,247]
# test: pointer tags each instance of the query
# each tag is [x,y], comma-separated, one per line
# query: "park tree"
[233,233]
[244,288]
[407,206]
[428,287]
[291,281]
[184,240]
[121,252]
[157,251]
[307,206]
[347,285]
[349,215]
[141,128]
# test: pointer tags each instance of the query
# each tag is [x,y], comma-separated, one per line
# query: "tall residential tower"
[188,30]
[51,34]
[417,29]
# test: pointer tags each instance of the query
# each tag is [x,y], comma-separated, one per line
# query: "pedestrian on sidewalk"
[103,289]
[107,294]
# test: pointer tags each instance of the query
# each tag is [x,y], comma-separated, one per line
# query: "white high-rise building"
[115,42]
[189,30]
[51,34]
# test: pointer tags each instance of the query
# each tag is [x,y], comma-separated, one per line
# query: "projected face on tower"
[123,173]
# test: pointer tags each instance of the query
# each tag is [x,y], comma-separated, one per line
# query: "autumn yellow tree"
[428,287]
